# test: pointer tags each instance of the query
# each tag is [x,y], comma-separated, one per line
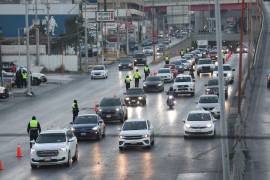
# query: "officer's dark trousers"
[146,75]
[137,82]
[127,86]
[75,114]
[33,136]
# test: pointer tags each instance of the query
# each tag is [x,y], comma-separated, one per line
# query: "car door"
[72,141]
[150,129]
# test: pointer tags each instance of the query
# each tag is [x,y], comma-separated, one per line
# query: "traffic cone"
[19,151]
[1,165]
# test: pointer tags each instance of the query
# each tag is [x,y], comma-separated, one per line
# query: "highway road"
[172,157]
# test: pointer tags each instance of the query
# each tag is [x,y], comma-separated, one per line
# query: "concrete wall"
[52,62]
[16,49]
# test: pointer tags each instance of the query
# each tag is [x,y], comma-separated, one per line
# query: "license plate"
[83,134]
[133,100]
[47,159]
[108,116]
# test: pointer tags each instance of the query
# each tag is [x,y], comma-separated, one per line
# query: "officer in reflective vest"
[75,109]
[182,52]
[33,129]
[127,82]
[24,78]
[167,60]
[146,71]
[137,77]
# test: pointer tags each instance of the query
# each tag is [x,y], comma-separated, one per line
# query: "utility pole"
[153,31]
[28,92]
[241,56]
[1,66]
[127,38]
[19,44]
[118,29]
[86,34]
[37,34]
[48,25]
[223,123]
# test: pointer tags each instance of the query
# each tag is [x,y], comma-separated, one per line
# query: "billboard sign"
[105,16]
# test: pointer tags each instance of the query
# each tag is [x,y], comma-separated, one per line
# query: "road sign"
[105,16]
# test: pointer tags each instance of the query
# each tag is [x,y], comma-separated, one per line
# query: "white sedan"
[199,123]
[99,72]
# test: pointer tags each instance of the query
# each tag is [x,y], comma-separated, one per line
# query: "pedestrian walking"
[33,129]
[75,109]
[137,76]
[146,70]
[127,82]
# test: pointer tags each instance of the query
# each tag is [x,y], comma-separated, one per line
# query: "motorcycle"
[171,101]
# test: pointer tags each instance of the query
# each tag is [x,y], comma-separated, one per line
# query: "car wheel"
[75,158]
[33,166]
[153,143]
[144,103]
[121,148]
[99,136]
[69,161]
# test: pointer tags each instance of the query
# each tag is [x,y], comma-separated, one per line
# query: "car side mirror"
[100,121]
[233,69]
[71,140]
[71,123]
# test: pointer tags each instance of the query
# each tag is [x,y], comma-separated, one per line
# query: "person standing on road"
[75,109]
[137,77]
[33,129]
[18,80]
[167,60]
[146,70]
[24,78]
[127,82]
[182,52]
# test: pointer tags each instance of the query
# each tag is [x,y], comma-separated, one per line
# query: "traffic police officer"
[146,71]
[75,109]
[24,78]
[33,129]
[127,82]
[137,77]
[167,60]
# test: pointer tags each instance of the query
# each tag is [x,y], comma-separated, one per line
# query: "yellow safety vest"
[127,80]
[136,75]
[24,75]
[146,69]
[33,123]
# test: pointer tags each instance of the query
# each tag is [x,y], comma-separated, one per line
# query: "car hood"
[208,105]
[109,107]
[163,74]
[198,123]
[84,125]
[49,146]
[133,132]
[98,71]
[135,95]
[152,82]
[182,83]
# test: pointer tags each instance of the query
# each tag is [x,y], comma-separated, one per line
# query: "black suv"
[140,59]
[125,63]
[111,109]
[135,96]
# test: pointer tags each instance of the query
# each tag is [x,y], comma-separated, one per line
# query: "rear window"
[164,71]
[212,82]
[98,68]
[156,78]
[51,138]
[208,61]
[110,102]
[86,120]
[208,99]
[183,79]
[225,68]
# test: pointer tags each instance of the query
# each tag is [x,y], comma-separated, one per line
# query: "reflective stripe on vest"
[33,124]
[137,75]
[24,75]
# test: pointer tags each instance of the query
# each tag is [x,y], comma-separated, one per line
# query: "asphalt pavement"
[172,157]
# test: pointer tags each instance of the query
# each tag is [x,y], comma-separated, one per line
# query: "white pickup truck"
[184,84]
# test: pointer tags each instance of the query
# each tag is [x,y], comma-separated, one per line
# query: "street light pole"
[127,40]
[48,25]
[85,35]
[37,34]
[28,92]
[223,123]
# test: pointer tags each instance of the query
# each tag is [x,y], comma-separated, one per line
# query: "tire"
[144,103]
[33,166]
[99,136]
[75,158]
[69,162]
[121,148]
[153,142]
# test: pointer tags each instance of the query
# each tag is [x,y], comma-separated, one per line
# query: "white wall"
[50,62]
[15,49]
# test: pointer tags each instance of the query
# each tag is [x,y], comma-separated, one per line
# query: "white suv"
[209,103]
[228,73]
[136,132]
[54,147]
[184,84]
[165,74]
[199,123]
[205,65]
[99,71]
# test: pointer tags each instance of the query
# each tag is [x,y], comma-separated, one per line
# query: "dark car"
[125,63]
[153,84]
[212,87]
[88,126]
[179,66]
[9,67]
[111,109]
[140,59]
[213,55]
[135,97]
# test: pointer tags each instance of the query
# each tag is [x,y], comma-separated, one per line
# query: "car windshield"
[134,91]
[140,56]
[148,48]
[225,68]
[206,61]
[164,71]
[98,68]
[125,61]
[188,56]
[183,79]
[91,119]
[212,82]
[51,138]
[110,102]
[208,99]
[199,117]
[134,125]
[153,79]
[171,66]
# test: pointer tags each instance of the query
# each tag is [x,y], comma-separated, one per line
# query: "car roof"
[133,120]
[51,131]
[199,112]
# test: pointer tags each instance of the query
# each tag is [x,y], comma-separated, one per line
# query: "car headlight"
[144,85]
[63,149]
[216,109]
[119,65]
[121,137]
[135,60]
[33,151]
[95,128]
[209,125]
[238,49]
[117,109]
[160,84]
[100,110]
[229,75]
[146,135]
[207,90]
[127,98]
[72,129]
[170,97]
[187,125]
[130,64]
[215,74]
[140,98]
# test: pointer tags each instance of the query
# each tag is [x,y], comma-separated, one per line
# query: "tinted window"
[225,68]
[135,125]
[140,56]
[164,71]
[110,102]
[98,68]
[205,61]
[86,120]
[183,79]
[211,99]
[153,78]
[213,82]
[134,91]
[199,117]
[51,138]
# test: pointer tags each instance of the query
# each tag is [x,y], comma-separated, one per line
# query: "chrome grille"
[133,137]
[47,153]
